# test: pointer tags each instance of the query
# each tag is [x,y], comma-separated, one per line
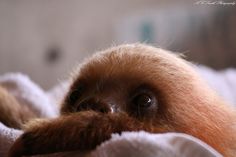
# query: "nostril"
[102,110]
[93,105]
[83,107]
[103,107]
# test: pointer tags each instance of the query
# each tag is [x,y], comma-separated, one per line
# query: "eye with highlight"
[142,100]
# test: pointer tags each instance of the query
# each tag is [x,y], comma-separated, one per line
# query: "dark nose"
[95,105]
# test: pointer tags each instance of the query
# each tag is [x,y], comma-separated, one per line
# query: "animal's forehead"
[131,59]
[103,75]
[130,65]
[111,75]
[115,80]
[118,64]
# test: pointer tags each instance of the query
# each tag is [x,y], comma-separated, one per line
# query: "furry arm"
[79,131]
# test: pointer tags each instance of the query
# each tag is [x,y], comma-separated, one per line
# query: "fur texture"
[101,102]
[13,114]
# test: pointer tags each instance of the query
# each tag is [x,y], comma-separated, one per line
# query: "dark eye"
[142,100]
[75,94]
[73,97]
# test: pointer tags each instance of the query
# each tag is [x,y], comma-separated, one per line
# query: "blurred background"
[46,38]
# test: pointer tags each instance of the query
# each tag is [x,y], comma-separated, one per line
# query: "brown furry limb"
[81,127]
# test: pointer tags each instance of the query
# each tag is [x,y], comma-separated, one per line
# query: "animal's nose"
[95,105]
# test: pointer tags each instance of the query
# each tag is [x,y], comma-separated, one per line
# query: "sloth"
[132,87]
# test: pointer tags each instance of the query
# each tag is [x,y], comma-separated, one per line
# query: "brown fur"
[109,78]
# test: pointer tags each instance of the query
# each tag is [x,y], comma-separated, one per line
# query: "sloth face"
[151,85]
[119,81]
[139,81]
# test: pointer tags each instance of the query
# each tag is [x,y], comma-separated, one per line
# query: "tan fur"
[185,104]
[12,113]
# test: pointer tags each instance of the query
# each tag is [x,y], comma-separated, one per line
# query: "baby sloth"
[131,88]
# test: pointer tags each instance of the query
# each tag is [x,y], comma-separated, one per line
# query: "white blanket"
[132,144]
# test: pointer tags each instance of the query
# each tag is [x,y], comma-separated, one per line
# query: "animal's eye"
[142,100]
[75,94]
[73,97]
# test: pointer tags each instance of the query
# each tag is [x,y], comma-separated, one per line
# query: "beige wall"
[30,28]
[77,27]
